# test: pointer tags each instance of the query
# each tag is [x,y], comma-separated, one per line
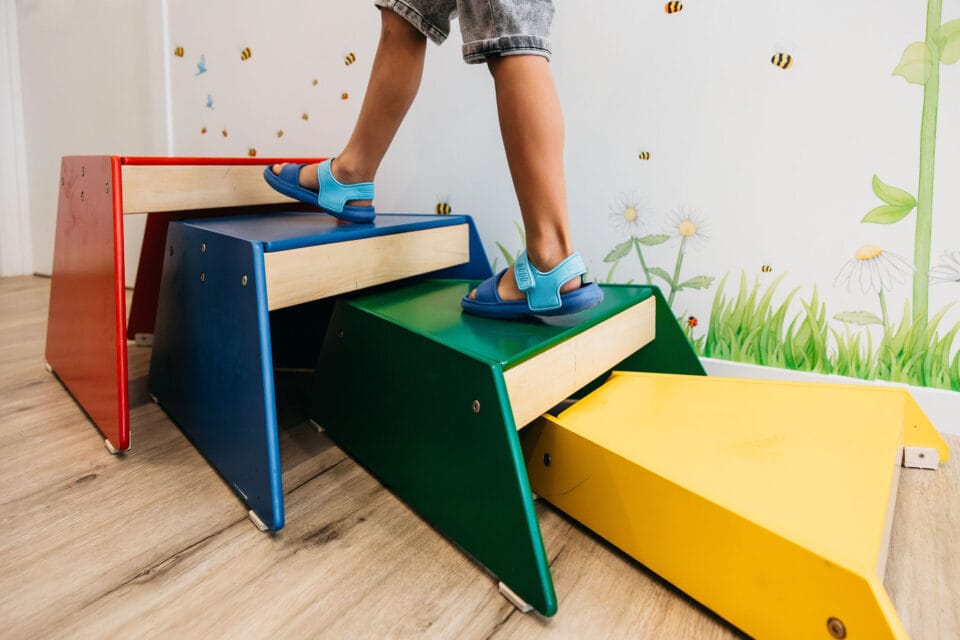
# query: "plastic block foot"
[316,427]
[46,365]
[112,449]
[514,599]
[256,520]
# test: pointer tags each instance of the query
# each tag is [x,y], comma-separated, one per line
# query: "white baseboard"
[942,407]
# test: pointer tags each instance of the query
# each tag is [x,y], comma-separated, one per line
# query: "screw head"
[340,333]
[547,460]
[243,281]
[203,277]
[107,187]
[476,406]
[203,247]
[836,628]
[171,249]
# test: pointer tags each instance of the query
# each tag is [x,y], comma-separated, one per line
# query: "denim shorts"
[490,28]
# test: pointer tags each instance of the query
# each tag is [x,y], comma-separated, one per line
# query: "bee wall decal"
[279,133]
[765,268]
[344,95]
[305,115]
[443,207]
[315,82]
[673,7]
[252,152]
[178,52]
[644,155]
[224,133]
[246,53]
[203,131]
[350,58]
[782,60]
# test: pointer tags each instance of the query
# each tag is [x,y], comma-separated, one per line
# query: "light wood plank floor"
[154,544]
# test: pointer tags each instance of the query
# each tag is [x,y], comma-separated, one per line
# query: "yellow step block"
[769,502]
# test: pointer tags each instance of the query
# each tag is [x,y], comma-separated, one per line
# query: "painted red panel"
[166,160]
[86,345]
[87,325]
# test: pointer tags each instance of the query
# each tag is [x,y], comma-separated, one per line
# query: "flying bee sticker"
[673,7]
[305,115]
[245,53]
[315,82]
[644,155]
[766,268]
[225,133]
[203,131]
[279,133]
[782,60]
[344,95]
[252,152]
[443,207]
[349,58]
[178,51]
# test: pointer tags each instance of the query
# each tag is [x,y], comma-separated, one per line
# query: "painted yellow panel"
[767,501]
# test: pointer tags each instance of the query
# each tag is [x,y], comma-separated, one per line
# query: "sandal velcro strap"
[334,195]
[543,289]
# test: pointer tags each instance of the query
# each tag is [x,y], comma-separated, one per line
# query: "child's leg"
[531,123]
[394,81]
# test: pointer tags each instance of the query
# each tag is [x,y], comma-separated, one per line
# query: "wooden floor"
[154,544]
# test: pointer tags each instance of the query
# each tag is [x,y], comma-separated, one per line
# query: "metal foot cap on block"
[256,520]
[316,427]
[46,365]
[514,599]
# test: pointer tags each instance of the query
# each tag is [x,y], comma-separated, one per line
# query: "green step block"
[430,400]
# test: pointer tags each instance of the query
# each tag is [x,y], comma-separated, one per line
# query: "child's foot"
[508,291]
[308,179]
[556,292]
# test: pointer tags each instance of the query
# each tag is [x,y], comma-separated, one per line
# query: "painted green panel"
[670,352]
[432,309]
[402,404]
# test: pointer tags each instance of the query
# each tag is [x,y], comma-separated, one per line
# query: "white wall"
[92,84]
[778,162]
[15,244]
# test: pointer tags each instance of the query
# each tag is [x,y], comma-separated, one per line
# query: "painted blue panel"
[212,369]
[284,231]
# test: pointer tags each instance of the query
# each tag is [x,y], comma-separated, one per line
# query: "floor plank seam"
[157,569]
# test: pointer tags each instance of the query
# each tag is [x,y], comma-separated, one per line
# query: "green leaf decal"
[950,42]
[653,239]
[887,214]
[506,254]
[663,275]
[861,318]
[915,63]
[892,195]
[699,282]
[619,251]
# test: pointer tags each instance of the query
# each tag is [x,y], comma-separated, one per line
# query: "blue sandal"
[542,291]
[332,196]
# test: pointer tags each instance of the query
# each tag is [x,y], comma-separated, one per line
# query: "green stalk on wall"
[920,64]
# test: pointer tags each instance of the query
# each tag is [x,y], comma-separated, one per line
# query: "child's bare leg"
[531,123]
[394,81]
